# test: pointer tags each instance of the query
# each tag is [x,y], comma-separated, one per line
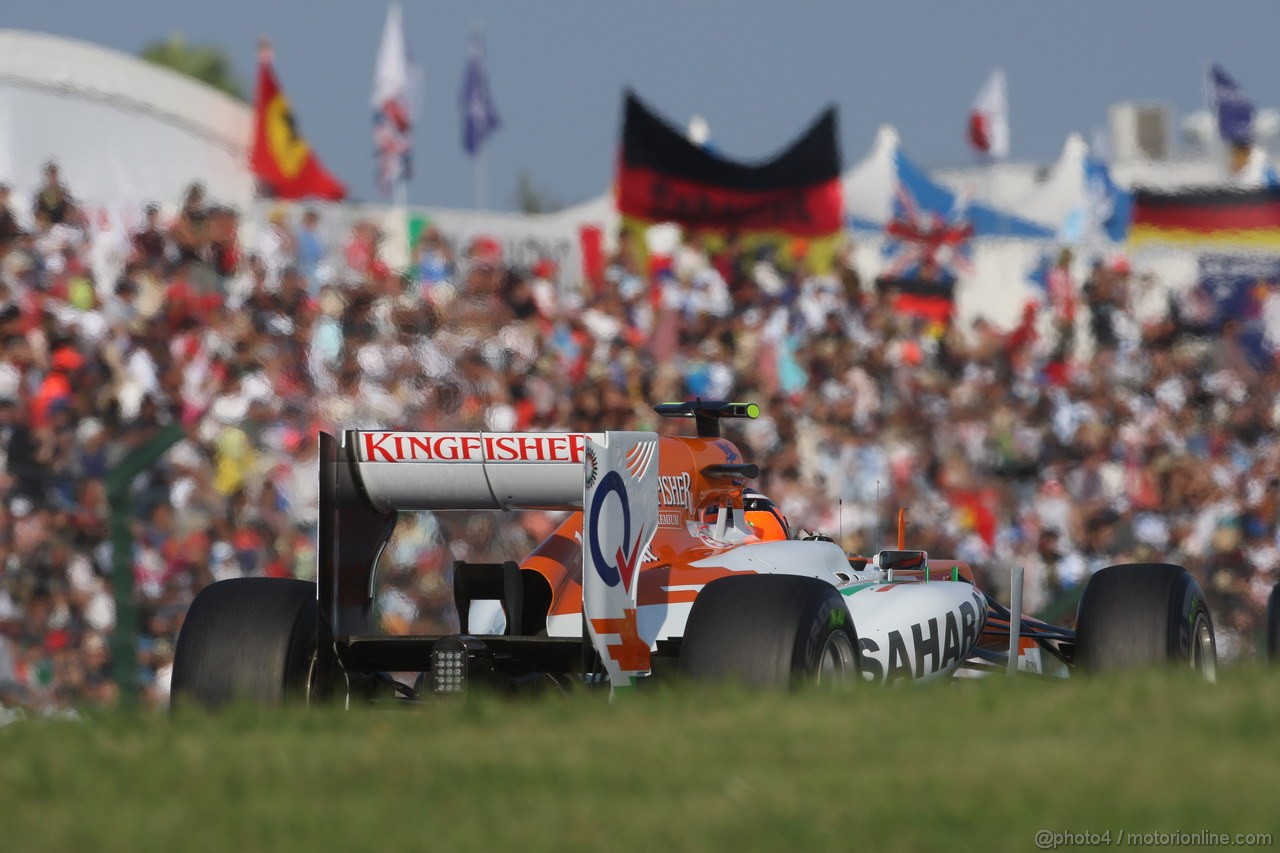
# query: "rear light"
[449,667]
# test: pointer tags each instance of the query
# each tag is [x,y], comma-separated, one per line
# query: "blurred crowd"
[1082,438]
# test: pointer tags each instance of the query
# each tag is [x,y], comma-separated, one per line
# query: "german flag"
[1245,219]
[930,299]
[663,177]
[281,159]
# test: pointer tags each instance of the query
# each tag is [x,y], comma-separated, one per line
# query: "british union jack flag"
[930,227]
[394,85]
[393,143]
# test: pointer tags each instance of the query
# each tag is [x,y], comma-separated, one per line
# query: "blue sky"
[758,71]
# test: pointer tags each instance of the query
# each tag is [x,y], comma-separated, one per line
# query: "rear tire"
[248,639]
[1144,615]
[771,631]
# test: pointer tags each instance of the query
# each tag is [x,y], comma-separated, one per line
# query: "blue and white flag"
[479,116]
[930,222]
[1233,110]
[1108,207]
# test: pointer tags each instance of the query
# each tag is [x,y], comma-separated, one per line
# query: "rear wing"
[476,470]
[367,477]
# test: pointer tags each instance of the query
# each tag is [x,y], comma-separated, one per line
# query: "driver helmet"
[763,517]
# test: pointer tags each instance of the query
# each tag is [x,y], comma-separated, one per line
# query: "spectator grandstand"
[1081,438]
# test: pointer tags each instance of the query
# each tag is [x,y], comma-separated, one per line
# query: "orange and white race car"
[666,563]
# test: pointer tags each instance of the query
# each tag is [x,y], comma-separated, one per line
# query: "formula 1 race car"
[666,563]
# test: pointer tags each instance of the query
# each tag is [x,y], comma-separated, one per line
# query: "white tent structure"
[1054,197]
[123,131]
[869,185]
[1051,197]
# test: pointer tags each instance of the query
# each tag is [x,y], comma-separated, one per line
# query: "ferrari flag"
[1223,218]
[281,159]
[663,177]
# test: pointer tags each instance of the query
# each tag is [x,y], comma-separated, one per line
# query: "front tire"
[251,640]
[1144,615]
[770,631]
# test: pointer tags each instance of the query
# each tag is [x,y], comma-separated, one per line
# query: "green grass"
[971,766]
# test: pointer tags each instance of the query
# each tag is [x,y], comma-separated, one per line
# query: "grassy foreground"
[972,766]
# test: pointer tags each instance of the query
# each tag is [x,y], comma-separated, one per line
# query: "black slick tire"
[1144,615]
[247,640]
[770,631]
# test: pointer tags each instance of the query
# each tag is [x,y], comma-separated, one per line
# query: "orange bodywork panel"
[666,574]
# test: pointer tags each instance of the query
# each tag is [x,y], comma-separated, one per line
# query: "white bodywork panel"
[907,630]
[812,558]
[486,617]
[915,630]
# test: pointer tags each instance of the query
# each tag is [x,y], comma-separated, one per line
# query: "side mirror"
[902,561]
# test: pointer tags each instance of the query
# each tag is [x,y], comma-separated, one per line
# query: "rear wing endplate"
[620,517]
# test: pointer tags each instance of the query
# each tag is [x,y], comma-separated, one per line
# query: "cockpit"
[759,519]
